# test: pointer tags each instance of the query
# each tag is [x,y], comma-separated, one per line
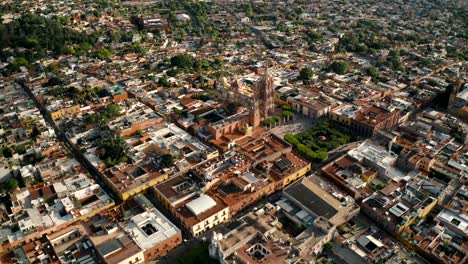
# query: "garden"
[315,142]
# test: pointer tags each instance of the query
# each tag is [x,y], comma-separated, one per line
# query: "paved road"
[259,33]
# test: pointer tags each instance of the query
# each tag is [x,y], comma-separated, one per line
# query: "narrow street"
[440,69]
[260,34]
[71,147]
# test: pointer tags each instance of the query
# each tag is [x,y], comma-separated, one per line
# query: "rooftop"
[459,222]
[317,202]
[372,115]
[347,110]
[127,177]
[201,204]
[246,226]
[370,151]
[349,170]
[286,165]
[309,195]
[258,149]
[177,189]
[191,218]
[228,120]
[150,228]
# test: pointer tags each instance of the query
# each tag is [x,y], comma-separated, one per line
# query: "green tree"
[249,10]
[291,139]
[7,152]
[286,107]
[373,73]
[184,61]
[104,54]
[137,48]
[112,150]
[394,54]
[164,82]
[40,35]
[31,42]
[112,110]
[339,67]
[172,72]
[20,149]
[101,119]
[313,36]
[167,160]
[19,62]
[287,114]
[84,48]
[71,51]
[305,74]
[53,81]
[394,60]
[268,122]
[322,155]
[9,185]
[315,142]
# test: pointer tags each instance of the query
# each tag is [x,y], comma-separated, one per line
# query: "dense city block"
[233,131]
